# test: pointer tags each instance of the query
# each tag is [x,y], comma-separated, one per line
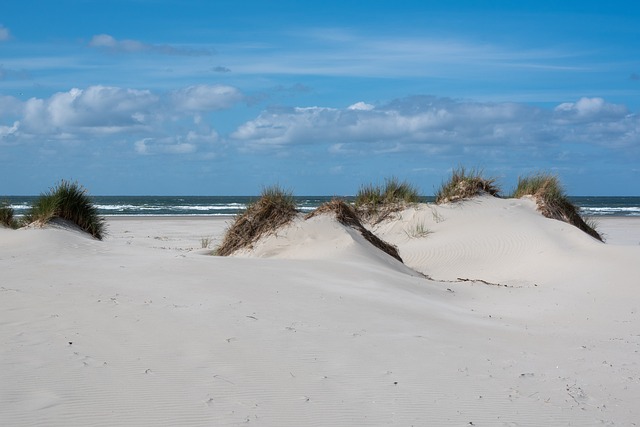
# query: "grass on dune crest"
[374,203]
[68,201]
[274,209]
[465,184]
[7,218]
[346,215]
[552,201]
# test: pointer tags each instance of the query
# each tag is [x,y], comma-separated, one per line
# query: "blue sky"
[169,97]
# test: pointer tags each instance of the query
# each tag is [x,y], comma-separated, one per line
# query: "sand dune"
[317,327]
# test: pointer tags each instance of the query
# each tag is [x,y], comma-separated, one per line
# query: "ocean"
[231,205]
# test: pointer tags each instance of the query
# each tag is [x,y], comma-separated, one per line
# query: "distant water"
[231,205]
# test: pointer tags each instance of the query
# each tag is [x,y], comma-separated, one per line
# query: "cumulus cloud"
[95,110]
[361,106]
[110,43]
[4,33]
[440,124]
[590,107]
[99,113]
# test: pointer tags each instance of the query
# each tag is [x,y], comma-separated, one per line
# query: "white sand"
[315,327]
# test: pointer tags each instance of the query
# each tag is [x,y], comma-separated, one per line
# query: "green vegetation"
[7,218]
[465,184]
[374,203]
[275,208]
[68,201]
[552,201]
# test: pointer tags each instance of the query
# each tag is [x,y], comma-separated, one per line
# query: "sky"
[179,97]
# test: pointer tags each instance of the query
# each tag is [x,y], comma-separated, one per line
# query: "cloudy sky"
[179,97]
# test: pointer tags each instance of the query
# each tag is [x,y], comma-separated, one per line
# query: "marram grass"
[274,209]
[465,184]
[374,203]
[68,201]
[552,201]
[7,218]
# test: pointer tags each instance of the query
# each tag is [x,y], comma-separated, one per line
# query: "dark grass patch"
[7,218]
[274,209]
[375,203]
[552,201]
[347,215]
[68,201]
[465,184]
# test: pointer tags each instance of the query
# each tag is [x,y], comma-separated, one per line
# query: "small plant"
[274,209]
[205,242]
[418,230]
[68,201]
[552,201]
[465,184]
[7,218]
[437,218]
[375,203]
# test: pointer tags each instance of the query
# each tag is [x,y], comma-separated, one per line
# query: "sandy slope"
[317,328]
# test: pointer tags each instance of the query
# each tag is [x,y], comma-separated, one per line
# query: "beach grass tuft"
[552,201]
[68,201]
[374,203]
[275,208]
[7,218]
[465,184]
[346,215]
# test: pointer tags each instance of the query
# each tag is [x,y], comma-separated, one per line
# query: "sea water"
[232,205]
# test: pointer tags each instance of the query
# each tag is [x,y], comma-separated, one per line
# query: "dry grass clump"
[346,215]
[275,208]
[68,201]
[552,201]
[465,184]
[375,203]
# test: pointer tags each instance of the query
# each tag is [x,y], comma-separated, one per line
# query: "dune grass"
[68,201]
[552,201]
[374,203]
[347,215]
[465,184]
[275,208]
[7,217]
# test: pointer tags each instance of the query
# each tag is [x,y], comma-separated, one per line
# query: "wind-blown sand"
[522,320]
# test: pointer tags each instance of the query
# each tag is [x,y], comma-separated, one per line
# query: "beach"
[498,316]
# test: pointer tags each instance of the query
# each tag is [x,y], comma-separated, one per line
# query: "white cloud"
[363,106]
[8,133]
[4,33]
[590,107]
[97,109]
[170,123]
[108,42]
[436,124]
